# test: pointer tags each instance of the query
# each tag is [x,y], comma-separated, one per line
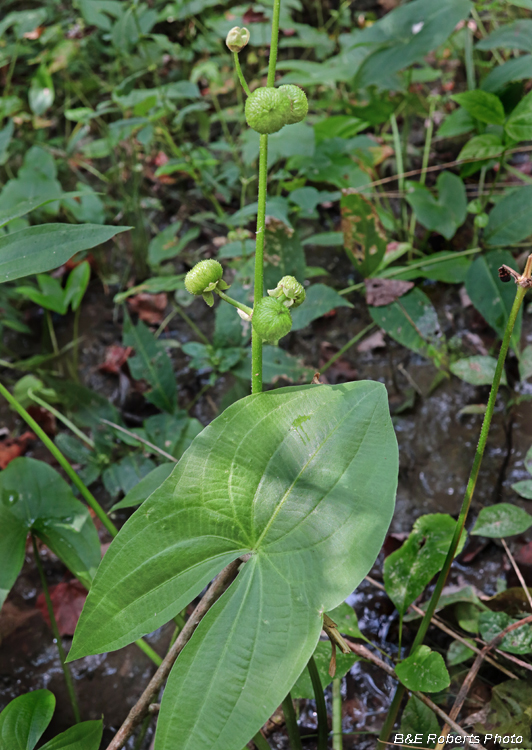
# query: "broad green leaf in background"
[523,488]
[519,125]
[145,487]
[320,300]
[41,93]
[490,296]
[25,207]
[277,364]
[458,652]
[444,214]
[284,254]
[412,321]
[515,69]
[166,245]
[484,146]
[417,718]
[407,34]
[457,123]
[84,736]
[501,520]
[477,370]
[322,656]
[346,620]
[516,35]
[439,266]
[467,615]
[151,363]
[25,718]
[35,499]
[311,502]
[510,221]
[42,248]
[518,641]
[408,570]
[77,283]
[5,139]
[423,670]
[482,106]
[364,235]
[124,475]
[509,710]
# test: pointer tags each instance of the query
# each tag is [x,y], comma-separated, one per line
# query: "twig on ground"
[153,448]
[365,653]
[142,706]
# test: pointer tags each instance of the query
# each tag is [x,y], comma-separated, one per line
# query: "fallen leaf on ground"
[12,617]
[115,358]
[12,448]
[68,599]
[149,307]
[381,292]
[375,341]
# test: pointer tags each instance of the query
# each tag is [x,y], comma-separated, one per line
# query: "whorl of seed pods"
[204,279]
[271,319]
[267,110]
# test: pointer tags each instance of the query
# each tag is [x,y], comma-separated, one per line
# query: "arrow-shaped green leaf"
[304,480]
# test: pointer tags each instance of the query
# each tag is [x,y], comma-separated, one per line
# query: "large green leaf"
[515,69]
[152,363]
[34,498]
[482,106]
[410,568]
[519,125]
[27,206]
[84,736]
[412,321]
[424,670]
[23,721]
[303,479]
[444,214]
[490,296]
[501,520]
[41,248]
[418,719]
[516,35]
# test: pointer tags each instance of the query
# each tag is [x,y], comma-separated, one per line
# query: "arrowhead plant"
[297,485]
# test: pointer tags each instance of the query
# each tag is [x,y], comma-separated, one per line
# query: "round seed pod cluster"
[271,319]
[204,279]
[269,109]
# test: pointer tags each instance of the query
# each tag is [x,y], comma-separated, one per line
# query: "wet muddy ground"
[437,446]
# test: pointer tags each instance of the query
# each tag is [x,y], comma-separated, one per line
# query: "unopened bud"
[271,319]
[237,38]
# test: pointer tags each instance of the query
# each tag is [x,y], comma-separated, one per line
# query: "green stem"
[273,45]
[440,583]
[424,164]
[56,634]
[57,414]
[51,331]
[349,344]
[468,56]
[337,740]
[194,327]
[261,742]
[321,708]
[397,146]
[256,341]
[142,734]
[291,723]
[240,74]
[233,302]
[56,453]
[150,653]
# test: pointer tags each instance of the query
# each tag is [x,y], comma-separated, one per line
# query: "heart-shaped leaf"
[23,721]
[445,213]
[302,479]
[424,670]
[501,520]
[34,498]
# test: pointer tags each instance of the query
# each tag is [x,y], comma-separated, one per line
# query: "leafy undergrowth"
[125,159]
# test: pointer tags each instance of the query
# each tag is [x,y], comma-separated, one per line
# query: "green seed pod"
[204,279]
[267,110]
[237,38]
[271,319]
[290,291]
[298,102]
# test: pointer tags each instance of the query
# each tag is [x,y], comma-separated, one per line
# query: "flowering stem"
[240,74]
[466,504]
